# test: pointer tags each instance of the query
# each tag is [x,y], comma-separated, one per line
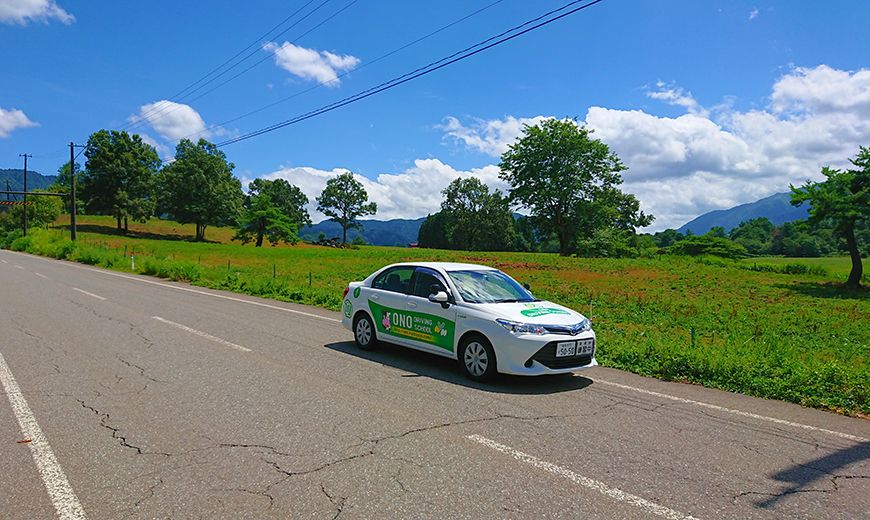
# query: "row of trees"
[567,181]
[124,177]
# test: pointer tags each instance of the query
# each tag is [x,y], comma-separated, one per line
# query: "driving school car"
[475,314]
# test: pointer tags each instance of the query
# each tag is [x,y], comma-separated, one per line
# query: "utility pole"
[72,193]
[8,189]
[25,189]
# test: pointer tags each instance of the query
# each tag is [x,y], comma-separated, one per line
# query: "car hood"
[540,313]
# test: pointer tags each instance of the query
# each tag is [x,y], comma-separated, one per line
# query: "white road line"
[586,482]
[42,276]
[61,493]
[188,289]
[203,334]
[92,295]
[741,413]
[18,266]
[4,261]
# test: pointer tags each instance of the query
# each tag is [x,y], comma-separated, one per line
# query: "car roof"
[446,266]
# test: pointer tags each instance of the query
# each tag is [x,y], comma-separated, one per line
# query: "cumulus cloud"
[12,119]
[173,121]
[490,137]
[753,14]
[23,11]
[680,167]
[674,95]
[412,193]
[321,66]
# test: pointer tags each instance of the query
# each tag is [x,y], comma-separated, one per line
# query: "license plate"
[585,346]
[566,348]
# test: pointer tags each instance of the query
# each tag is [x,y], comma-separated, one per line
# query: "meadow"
[794,336]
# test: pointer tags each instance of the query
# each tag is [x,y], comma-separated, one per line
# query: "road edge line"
[64,499]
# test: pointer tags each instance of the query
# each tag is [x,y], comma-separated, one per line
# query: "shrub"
[707,245]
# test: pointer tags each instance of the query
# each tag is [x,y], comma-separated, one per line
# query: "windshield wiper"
[507,300]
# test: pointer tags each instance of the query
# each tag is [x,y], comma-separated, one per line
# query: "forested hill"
[777,208]
[395,232]
[35,180]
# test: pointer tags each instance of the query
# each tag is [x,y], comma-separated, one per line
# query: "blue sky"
[710,104]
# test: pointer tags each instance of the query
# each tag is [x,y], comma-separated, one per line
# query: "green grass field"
[837,266]
[794,337]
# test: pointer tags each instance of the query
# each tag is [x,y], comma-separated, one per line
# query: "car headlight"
[585,325]
[515,327]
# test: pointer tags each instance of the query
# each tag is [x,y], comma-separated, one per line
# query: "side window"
[424,282]
[394,280]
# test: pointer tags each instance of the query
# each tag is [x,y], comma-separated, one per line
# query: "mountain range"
[395,232]
[15,177]
[777,208]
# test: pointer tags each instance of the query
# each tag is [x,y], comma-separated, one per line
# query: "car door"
[387,302]
[432,325]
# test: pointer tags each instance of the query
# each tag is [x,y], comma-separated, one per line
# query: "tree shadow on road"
[422,364]
[802,478]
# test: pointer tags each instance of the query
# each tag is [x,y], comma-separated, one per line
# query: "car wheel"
[477,358]
[364,332]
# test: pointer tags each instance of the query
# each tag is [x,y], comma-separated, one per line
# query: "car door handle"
[412,305]
[373,297]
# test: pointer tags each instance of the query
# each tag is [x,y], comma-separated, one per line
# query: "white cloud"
[412,193]
[673,95]
[12,119]
[753,14]
[174,121]
[490,137]
[321,66]
[680,167]
[22,11]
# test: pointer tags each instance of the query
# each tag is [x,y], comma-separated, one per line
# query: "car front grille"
[568,330]
[547,357]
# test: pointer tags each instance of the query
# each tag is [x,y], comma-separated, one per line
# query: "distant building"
[413,244]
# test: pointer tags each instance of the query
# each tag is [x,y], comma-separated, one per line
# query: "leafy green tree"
[756,235]
[263,218]
[288,198]
[344,200]
[844,200]
[433,231]
[119,176]
[41,212]
[477,219]
[717,231]
[199,187]
[707,245]
[667,237]
[62,185]
[568,181]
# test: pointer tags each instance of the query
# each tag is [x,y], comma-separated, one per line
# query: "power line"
[219,67]
[427,69]
[141,121]
[343,74]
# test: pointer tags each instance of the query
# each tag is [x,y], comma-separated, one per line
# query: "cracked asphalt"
[151,421]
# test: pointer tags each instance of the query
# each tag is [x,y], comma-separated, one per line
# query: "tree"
[477,219]
[433,232]
[568,181]
[119,176]
[262,218]
[344,200]
[275,210]
[62,184]
[42,211]
[288,198]
[756,235]
[843,199]
[199,187]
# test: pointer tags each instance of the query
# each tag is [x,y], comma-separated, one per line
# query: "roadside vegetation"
[796,337]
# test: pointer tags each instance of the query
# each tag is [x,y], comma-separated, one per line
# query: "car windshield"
[489,286]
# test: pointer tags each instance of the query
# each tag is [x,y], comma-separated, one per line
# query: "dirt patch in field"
[581,276]
[647,274]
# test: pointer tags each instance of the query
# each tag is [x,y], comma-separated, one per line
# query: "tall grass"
[785,333]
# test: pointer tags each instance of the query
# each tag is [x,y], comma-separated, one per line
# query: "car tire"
[477,358]
[364,332]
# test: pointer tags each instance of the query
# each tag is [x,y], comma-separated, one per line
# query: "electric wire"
[345,73]
[165,109]
[468,52]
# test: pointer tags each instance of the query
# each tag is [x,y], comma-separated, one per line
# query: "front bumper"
[530,355]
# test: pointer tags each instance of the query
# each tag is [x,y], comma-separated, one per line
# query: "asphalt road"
[149,399]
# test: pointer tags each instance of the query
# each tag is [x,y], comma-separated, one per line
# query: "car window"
[394,280]
[423,283]
[489,286]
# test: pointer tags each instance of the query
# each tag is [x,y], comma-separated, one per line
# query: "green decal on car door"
[427,328]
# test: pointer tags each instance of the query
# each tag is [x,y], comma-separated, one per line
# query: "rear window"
[396,280]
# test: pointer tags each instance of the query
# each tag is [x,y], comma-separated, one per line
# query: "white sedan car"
[475,314]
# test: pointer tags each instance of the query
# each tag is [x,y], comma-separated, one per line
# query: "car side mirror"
[440,297]
[527,287]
